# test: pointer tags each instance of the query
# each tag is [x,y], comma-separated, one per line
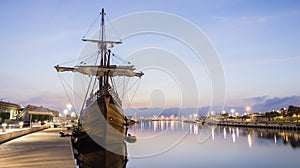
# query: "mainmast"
[103,70]
[102,48]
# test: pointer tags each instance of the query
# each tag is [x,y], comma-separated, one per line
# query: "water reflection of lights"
[234,133]
[213,134]
[172,125]
[142,126]
[155,125]
[233,137]
[196,129]
[162,125]
[249,140]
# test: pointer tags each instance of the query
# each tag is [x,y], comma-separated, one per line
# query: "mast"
[102,70]
[102,48]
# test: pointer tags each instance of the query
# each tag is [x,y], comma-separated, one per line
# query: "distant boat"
[102,117]
[133,119]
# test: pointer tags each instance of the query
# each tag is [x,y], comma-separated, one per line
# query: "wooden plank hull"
[104,122]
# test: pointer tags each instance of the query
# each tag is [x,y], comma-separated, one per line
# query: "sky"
[256,41]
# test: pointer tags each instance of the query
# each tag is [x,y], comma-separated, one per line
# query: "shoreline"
[268,125]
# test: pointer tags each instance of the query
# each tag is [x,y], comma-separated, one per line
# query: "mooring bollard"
[21,124]
[4,127]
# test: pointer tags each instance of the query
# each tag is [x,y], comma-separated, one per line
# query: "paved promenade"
[43,149]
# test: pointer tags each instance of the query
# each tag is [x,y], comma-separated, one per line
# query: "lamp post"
[69,106]
[232,112]
[248,108]
[66,111]
[4,127]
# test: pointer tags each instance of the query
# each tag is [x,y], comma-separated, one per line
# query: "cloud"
[48,100]
[275,59]
[276,103]
[258,104]
[232,22]
[256,99]
[265,104]
[262,61]
[246,20]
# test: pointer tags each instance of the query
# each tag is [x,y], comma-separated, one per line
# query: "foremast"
[104,70]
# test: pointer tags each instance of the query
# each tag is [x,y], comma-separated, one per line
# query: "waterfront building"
[16,112]
[9,108]
[31,113]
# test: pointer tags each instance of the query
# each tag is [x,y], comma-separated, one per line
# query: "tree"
[4,115]
[271,114]
[283,111]
[293,110]
[224,114]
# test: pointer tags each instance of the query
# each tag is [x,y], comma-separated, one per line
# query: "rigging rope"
[88,58]
[92,25]
[113,27]
[82,107]
[71,88]
[63,82]
[130,103]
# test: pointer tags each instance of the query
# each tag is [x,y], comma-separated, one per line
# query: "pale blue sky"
[257,41]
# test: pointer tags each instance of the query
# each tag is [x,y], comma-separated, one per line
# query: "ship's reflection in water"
[90,155]
[103,158]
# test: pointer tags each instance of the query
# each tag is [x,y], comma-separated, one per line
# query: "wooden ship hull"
[103,119]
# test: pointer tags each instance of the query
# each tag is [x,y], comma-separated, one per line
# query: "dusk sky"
[256,41]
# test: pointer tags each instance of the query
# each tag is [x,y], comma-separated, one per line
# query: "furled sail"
[111,43]
[112,70]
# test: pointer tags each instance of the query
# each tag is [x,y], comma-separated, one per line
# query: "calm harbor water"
[179,144]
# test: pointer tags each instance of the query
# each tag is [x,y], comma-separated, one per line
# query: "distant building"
[11,108]
[40,113]
[14,111]
[258,118]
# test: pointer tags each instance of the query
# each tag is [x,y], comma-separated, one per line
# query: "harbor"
[276,126]
[48,148]
[150,84]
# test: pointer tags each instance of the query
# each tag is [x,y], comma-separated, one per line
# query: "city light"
[66,111]
[69,106]
[232,112]
[248,108]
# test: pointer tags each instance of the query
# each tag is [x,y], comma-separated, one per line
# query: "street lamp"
[232,112]
[66,111]
[248,108]
[69,106]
